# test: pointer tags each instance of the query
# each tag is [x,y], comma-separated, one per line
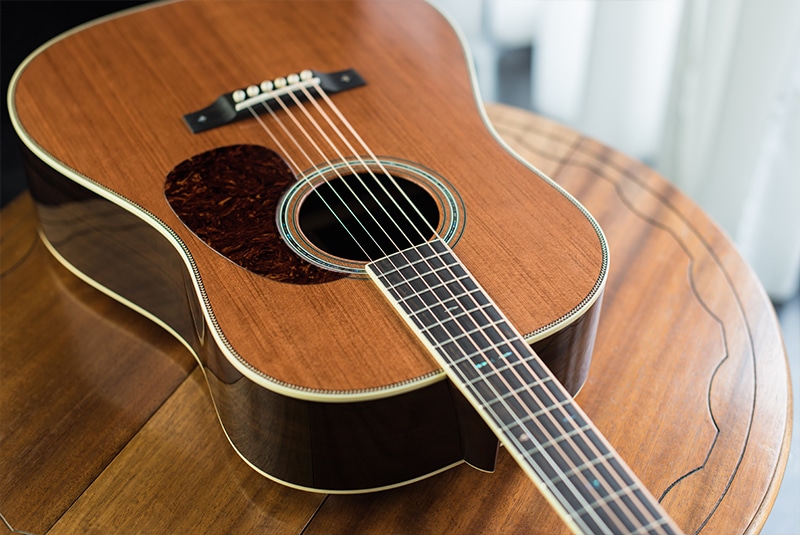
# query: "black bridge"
[236,105]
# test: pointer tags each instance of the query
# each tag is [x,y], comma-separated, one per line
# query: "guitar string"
[293,164]
[369,171]
[563,392]
[338,174]
[372,156]
[522,360]
[622,484]
[304,153]
[541,475]
[523,449]
[316,169]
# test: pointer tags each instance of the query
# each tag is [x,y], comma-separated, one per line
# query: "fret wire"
[524,373]
[630,501]
[657,522]
[469,355]
[462,318]
[565,436]
[549,466]
[521,389]
[630,525]
[429,291]
[594,490]
[522,432]
[455,315]
[538,388]
[546,381]
[626,491]
[546,432]
[456,369]
[475,295]
[598,460]
[391,271]
[453,323]
[470,333]
[508,365]
[621,493]
[421,275]
[432,311]
[451,307]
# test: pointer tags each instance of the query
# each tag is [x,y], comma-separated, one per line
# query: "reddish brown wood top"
[129,80]
[106,424]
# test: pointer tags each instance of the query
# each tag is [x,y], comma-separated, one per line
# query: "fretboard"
[527,408]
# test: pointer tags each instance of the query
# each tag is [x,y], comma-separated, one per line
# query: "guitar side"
[351,438]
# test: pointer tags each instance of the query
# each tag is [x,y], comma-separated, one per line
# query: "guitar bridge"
[237,105]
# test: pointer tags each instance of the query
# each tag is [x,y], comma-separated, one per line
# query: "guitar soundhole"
[350,212]
[364,217]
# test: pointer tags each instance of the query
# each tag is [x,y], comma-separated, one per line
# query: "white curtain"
[732,136]
[705,91]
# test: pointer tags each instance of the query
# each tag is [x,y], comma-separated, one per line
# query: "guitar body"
[317,382]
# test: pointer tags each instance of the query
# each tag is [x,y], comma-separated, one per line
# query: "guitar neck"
[531,413]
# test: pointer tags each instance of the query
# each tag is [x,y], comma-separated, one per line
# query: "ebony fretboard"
[528,409]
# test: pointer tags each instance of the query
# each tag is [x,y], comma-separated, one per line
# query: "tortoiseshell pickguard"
[228,197]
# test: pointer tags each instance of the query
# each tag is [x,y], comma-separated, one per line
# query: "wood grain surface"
[106,425]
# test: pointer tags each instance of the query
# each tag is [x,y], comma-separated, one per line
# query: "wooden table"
[106,425]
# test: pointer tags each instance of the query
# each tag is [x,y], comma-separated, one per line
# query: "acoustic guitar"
[309,197]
